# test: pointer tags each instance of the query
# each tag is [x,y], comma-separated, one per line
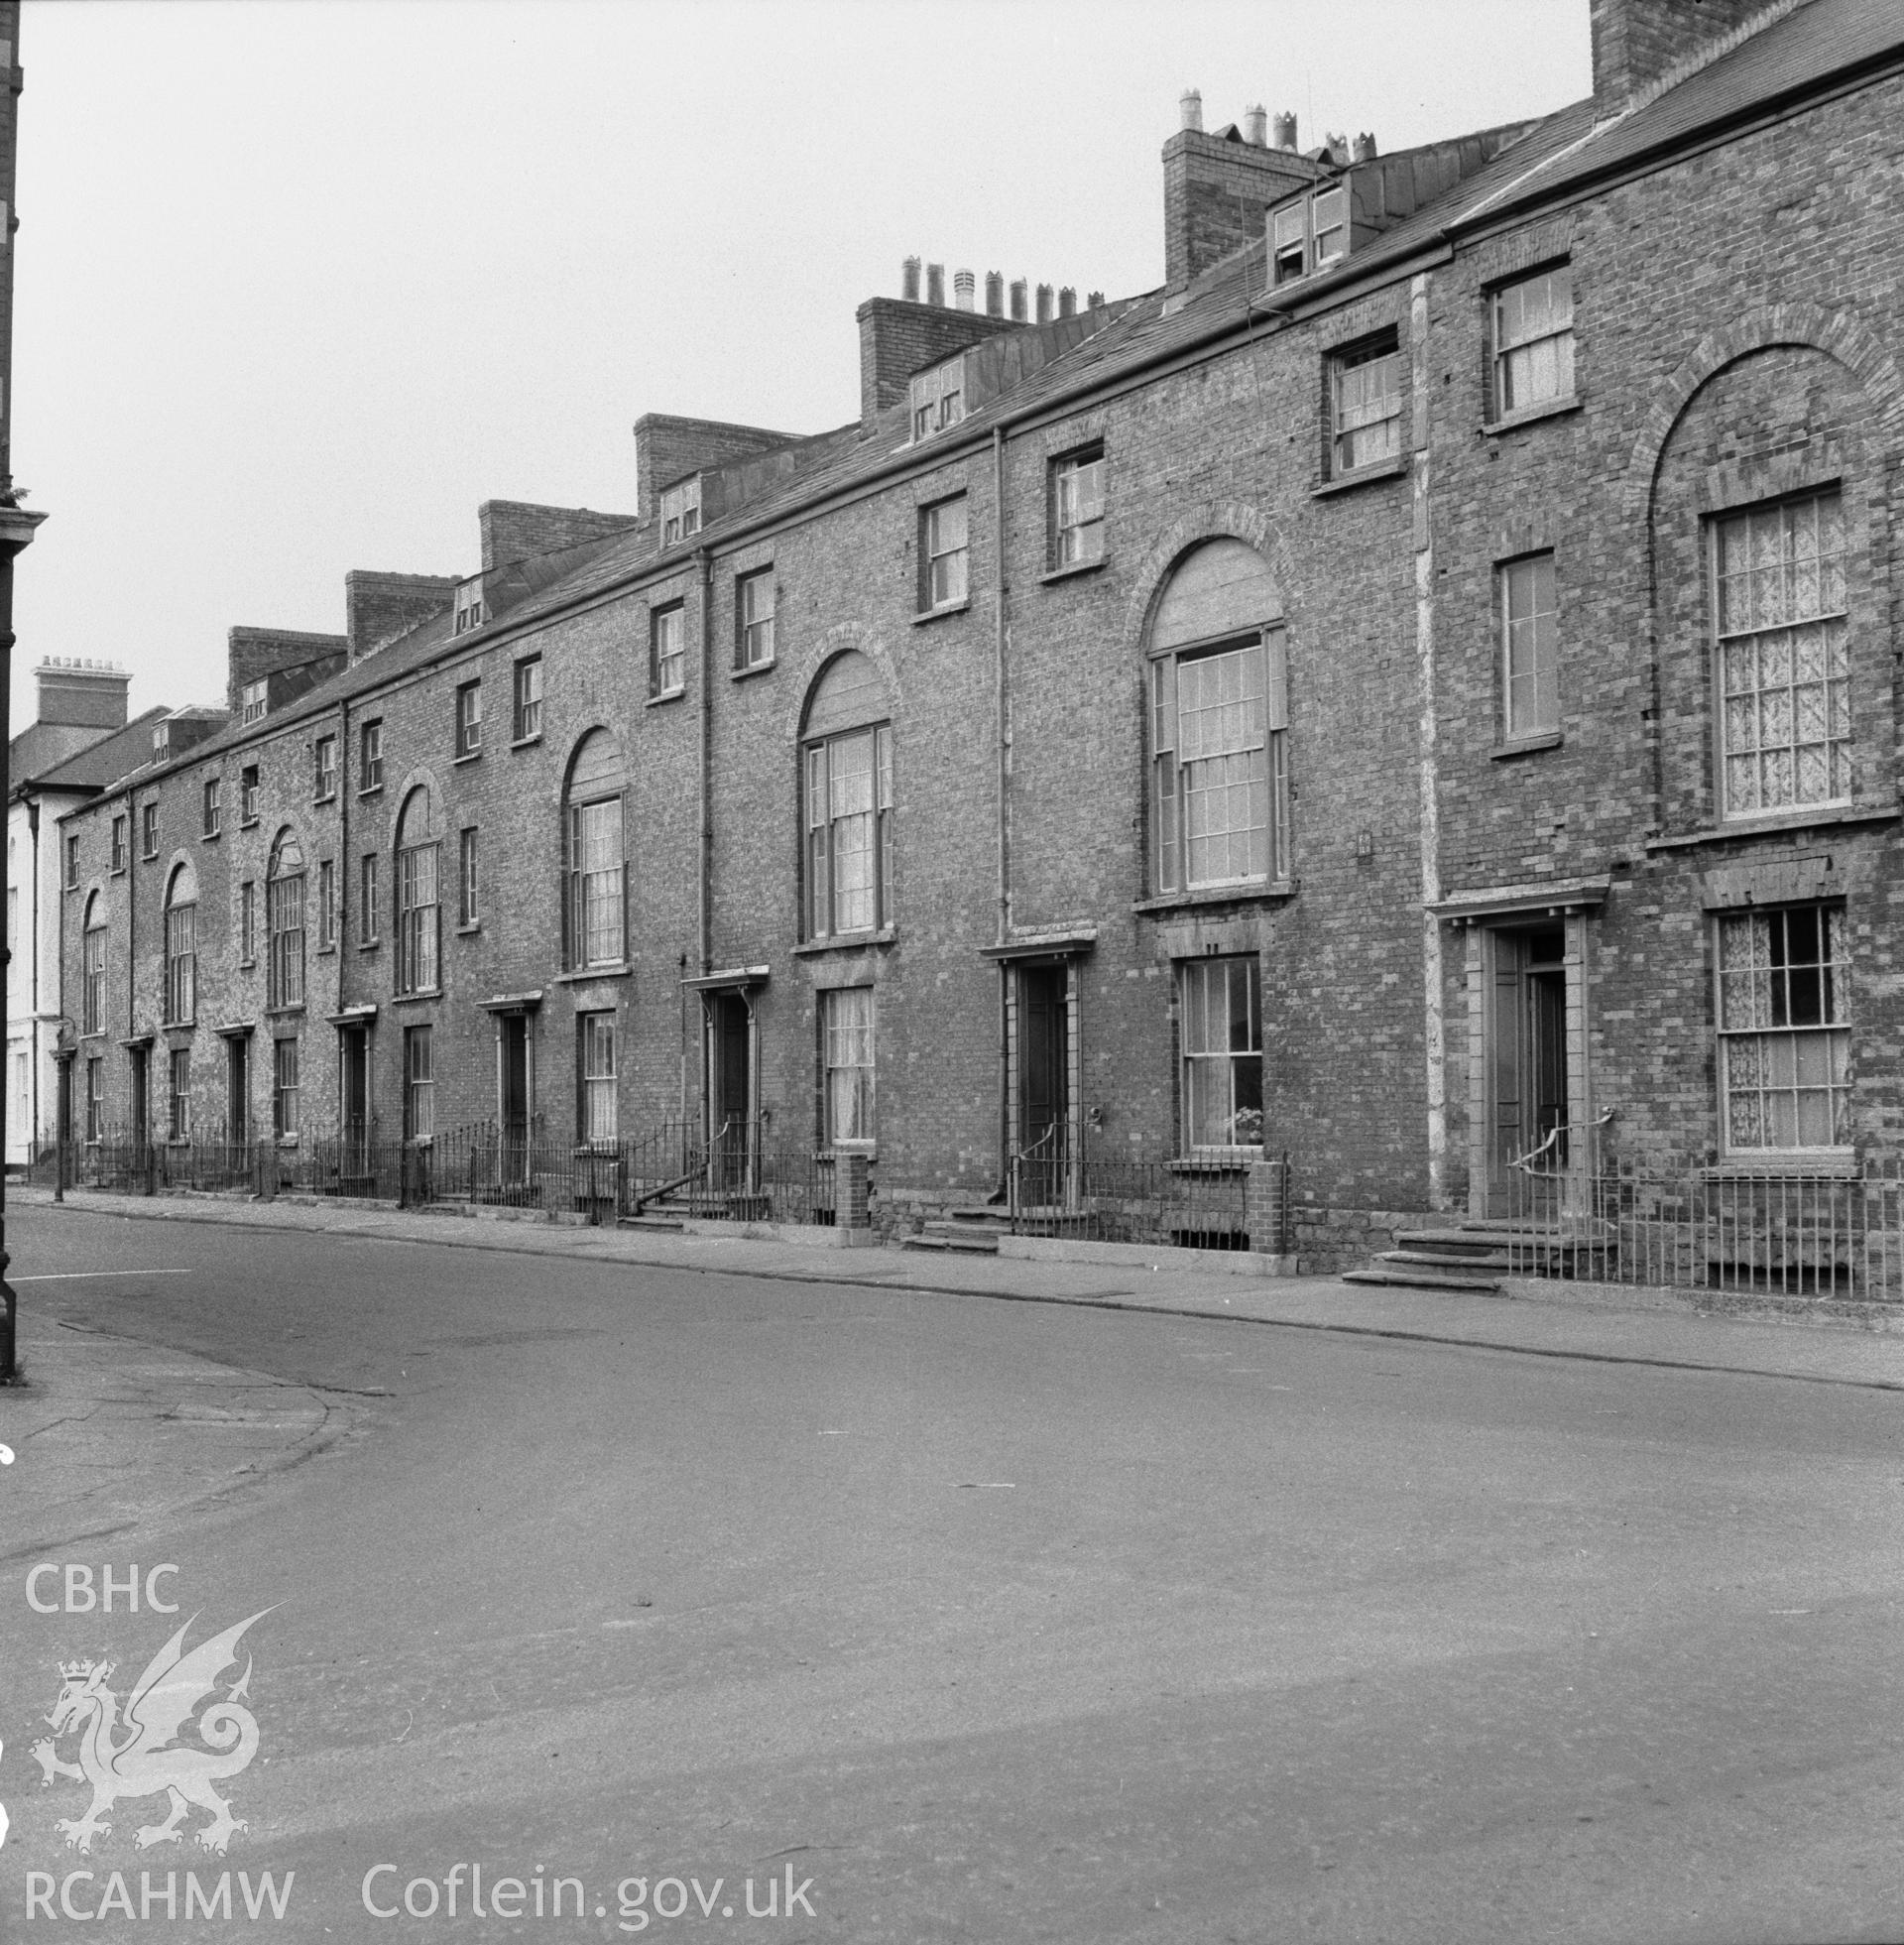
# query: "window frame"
[1284,238]
[469,720]
[120,841]
[680,510]
[211,807]
[751,631]
[417,889]
[1501,353]
[178,1094]
[420,1084]
[931,553]
[149,830]
[248,922]
[1506,574]
[821,830]
[1839,749]
[525,710]
[933,406]
[285,981]
[326,905]
[469,878]
[1171,837]
[669,619]
[601,887]
[597,1085]
[324,768]
[1834,995]
[1383,346]
[1067,466]
[93,961]
[250,788]
[370,914]
[95,1099]
[1195,1063]
[71,879]
[181,961]
[253,702]
[863,1091]
[370,757]
[286,1089]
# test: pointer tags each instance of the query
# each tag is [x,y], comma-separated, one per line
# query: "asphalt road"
[991,1621]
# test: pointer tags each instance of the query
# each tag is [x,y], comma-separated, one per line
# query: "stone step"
[1423,1278]
[944,1236]
[669,1225]
[1549,1240]
[1448,1260]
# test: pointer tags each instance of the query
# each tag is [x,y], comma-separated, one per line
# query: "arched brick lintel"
[1214,519]
[836,642]
[1804,326]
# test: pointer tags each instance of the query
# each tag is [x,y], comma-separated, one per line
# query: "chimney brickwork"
[897,338]
[1215,193]
[1636,42]
[286,660]
[667,448]
[380,607]
[82,694]
[516,530]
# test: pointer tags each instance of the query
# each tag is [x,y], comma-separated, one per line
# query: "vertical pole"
[15,530]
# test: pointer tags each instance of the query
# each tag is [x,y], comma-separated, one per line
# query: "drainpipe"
[33,1033]
[1003,705]
[705,560]
[346,941]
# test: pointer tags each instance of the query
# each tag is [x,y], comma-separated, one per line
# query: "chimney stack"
[994,295]
[963,286]
[80,692]
[1365,149]
[1190,109]
[935,283]
[1637,42]
[1285,131]
[1255,125]
[1020,315]
[909,280]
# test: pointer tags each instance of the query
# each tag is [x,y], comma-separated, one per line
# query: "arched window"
[595,911]
[1219,712]
[418,915]
[93,1007]
[285,923]
[846,752]
[181,946]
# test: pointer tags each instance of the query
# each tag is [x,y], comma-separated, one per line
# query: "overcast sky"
[302,281]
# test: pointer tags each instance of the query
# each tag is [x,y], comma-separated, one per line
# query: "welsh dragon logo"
[137,1754]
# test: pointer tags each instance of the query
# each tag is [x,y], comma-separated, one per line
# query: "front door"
[730,1056]
[1043,1077]
[513,1083]
[1527,1069]
[356,1101]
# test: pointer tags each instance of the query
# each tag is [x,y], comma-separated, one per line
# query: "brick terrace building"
[1420,680]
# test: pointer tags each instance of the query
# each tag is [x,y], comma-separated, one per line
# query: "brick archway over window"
[1214,519]
[1802,326]
[837,640]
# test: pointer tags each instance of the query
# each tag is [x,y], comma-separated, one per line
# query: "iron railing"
[1061,1188]
[1671,1220]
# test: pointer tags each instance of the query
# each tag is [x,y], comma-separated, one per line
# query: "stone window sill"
[468,755]
[286,1013]
[1362,477]
[465,931]
[1839,1162]
[525,742]
[1254,894]
[1071,572]
[847,942]
[1525,746]
[1234,1161]
[209,837]
[753,668]
[1511,422]
[939,613]
[368,944]
[1796,821]
[416,998]
[370,789]
[666,695]
[620,970]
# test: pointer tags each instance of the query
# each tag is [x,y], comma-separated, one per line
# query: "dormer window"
[1309,234]
[250,703]
[681,512]
[469,607]
[939,398]
[161,741]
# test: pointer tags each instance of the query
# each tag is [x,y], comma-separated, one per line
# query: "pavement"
[203,1430]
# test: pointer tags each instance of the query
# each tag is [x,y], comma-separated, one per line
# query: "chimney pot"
[935,283]
[1285,131]
[1045,304]
[1094,300]
[1190,109]
[1067,302]
[1364,147]
[909,280]
[994,295]
[1019,313]
[963,286]
[1255,125]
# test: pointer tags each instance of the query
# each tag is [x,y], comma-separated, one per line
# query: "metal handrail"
[1554,1134]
